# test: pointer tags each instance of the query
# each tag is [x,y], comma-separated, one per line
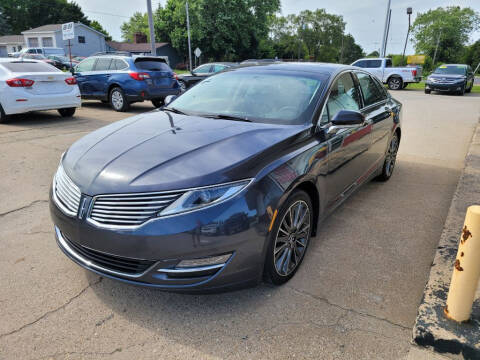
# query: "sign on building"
[68,31]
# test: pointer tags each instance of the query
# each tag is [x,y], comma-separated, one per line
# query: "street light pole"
[385,30]
[188,34]
[152,31]
[409,12]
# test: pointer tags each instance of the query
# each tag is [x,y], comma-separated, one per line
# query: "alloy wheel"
[117,99]
[391,156]
[292,238]
[395,83]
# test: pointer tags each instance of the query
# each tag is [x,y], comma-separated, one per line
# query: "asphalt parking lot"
[355,296]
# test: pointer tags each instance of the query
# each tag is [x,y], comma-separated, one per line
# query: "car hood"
[159,151]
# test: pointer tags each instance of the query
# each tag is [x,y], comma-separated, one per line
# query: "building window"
[47,42]
[81,39]
[32,42]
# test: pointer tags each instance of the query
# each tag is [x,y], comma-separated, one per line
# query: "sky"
[365,19]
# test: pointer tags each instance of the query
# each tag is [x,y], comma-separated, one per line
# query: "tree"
[27,14]
[350,51]
[374,54]
[450,27]
[5,28]
[472,54]
[97,26]
[137,23]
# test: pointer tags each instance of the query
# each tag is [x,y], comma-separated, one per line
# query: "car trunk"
[160,73]
[46,83]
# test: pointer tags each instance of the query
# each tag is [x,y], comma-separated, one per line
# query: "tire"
[462,91]
[183,85]
[285,241]
[395,83]
[3,116]
[118,100]
[427,91]
[390,159]
[469,89]
[404,85]
[158,102]
[67,112]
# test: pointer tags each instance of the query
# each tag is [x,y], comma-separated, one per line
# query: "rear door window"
[86,65]
[372,94]
[204,69]
[118,64]
[27,66]
[152,65]
[373,64]
[103,64]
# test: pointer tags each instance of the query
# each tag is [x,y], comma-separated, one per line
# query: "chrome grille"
[129,210]
[66,194]
[443,80]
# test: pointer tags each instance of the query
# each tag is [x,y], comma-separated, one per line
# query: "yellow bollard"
[467,269]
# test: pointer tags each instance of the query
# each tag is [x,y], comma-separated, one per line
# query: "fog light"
[213,260]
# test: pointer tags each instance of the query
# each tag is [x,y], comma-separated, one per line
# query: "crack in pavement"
[22,207]
[53,310]
[325,300]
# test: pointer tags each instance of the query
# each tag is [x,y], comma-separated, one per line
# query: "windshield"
[450,70]
[263,97]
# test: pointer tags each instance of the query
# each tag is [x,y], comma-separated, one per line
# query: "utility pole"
[152,31]
[385,30]
[188,34]
[388,32]
[436,48]
[409,12]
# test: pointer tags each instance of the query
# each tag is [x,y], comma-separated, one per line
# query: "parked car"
[122,80]
[77,59]
[131,201]
[396,78]
[45,51]
[458,78]
[31,85]
[38,57]
[202,72]
[62,62]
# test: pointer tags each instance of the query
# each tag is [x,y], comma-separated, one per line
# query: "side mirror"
[348,118]
[169,99]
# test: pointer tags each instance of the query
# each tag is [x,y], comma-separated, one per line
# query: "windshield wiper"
[174,110]
[226,117]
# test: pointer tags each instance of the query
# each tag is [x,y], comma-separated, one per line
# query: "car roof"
[321,68]
[463,65]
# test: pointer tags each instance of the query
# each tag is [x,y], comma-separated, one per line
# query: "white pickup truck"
[395,77]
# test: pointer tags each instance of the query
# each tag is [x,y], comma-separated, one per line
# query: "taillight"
[139,76]
[414,73]
[20,82]
[71,81]
[175,76]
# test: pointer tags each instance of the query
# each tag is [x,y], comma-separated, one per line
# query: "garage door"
[3,51]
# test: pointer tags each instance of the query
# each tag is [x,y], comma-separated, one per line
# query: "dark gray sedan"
[228,183]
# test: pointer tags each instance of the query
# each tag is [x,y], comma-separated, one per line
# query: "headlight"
[202,197]
[460,80]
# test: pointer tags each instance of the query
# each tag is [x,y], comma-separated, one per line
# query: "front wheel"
[158,102]
[461,92]
[289,238]
[67,112]
[428,91]
[118,101]
[390,159]
[183,86]
[395,83]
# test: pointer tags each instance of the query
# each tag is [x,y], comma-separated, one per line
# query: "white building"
[10,44]
[87,41]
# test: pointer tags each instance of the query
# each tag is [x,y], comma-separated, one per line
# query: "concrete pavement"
[355,296]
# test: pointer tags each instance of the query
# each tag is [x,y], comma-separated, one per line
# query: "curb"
[431,328]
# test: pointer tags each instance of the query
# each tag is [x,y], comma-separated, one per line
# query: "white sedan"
[35,85]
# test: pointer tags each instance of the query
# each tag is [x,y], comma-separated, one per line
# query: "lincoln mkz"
[226,184]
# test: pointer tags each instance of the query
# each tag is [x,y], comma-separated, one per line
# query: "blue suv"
[122,79]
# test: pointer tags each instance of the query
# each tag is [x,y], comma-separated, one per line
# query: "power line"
[104,13]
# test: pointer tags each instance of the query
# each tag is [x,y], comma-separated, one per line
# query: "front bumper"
[160,244]
[434,86]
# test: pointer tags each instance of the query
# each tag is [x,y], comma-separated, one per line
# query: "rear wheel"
[289,238]
[118,101]
[67,112]
[158,102]
[183,85]
[395,83]
[390,159]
